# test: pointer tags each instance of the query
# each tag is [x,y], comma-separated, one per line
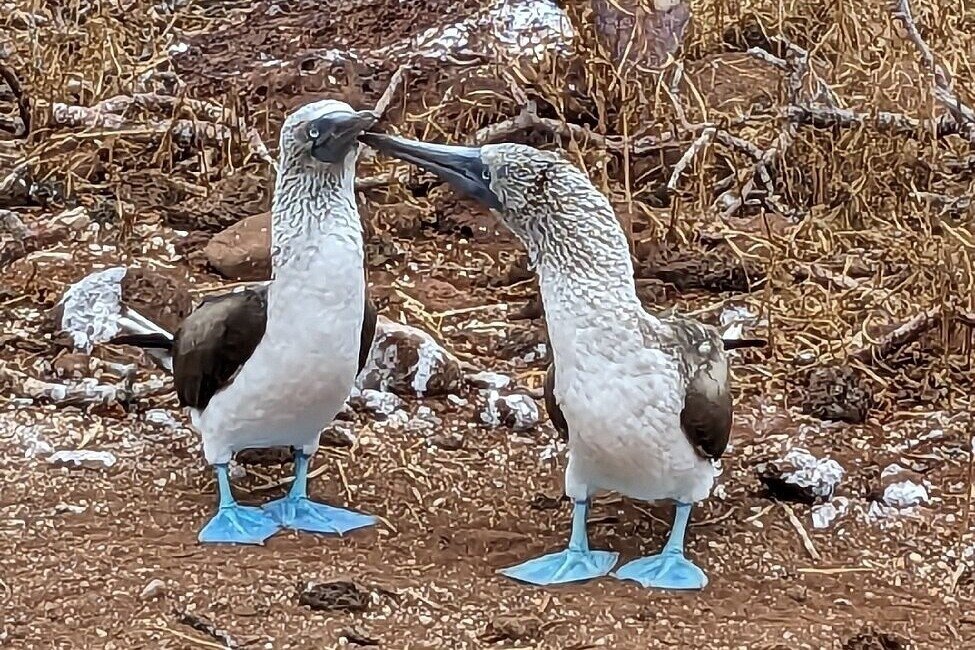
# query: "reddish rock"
[242,251]
[73,365]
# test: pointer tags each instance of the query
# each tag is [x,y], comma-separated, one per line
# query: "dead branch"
[110,113]
[768,57]
[822,93]
[201,624]
[943,92]
[387,98]
[946,203]
[94,117]
[798,66]
[824,276]
[905,333]
[528,119]
[18,174]
[739,144]
[895,123]
[373,182]
[696,147]
[23,105]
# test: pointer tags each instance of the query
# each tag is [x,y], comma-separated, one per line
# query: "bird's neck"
[313,204]
[581,273]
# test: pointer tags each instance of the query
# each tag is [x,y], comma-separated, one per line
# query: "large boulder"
[242,251]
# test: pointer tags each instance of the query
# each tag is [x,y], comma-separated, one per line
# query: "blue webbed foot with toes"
[298,512]
[571,565]
[234,523]
[670,569]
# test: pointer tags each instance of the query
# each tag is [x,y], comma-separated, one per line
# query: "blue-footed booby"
[645,399]
[271,366]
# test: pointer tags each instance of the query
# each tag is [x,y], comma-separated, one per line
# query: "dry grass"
[856,227]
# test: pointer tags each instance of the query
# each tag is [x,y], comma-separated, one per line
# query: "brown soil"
[458,501]
[455,516]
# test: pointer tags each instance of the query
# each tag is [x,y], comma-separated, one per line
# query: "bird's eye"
[313,132]
[486,174]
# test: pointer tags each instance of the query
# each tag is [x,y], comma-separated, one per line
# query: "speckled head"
[325,131]
[539,195]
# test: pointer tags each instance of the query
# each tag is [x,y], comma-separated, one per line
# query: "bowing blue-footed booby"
[271,366]
[645,400]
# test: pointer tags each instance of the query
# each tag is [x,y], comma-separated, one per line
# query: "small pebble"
[154,589]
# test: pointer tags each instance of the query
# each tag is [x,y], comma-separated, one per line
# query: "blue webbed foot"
[301,513]
[236,524]
[568,566]
[668,570]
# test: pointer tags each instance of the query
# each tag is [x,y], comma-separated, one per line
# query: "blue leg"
[234,523]
[575,563]
[301,513]
[670,569]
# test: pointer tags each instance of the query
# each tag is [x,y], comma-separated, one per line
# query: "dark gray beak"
[459,166]
[333,135]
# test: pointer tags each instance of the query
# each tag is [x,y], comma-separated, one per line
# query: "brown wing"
[214,341]
[706,418]
[552,406]
[368,332]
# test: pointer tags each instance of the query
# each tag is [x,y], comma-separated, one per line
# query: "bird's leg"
[301,513]
[670,569]
[575,563]
[234,523]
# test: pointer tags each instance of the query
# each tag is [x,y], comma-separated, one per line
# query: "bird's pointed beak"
[460,166]
[336,134]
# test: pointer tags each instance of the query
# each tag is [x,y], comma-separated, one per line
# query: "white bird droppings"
[92,307]
[83,458]
[488,379]
[905,494]
[517,410]
[820,476]
[826,513]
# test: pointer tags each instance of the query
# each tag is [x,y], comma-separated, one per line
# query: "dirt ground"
[108,557]
[81,545]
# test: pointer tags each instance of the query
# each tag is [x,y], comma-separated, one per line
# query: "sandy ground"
[81,545]
[108,558]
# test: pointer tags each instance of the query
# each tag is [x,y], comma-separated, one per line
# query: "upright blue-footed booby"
[645,400]
[271,366]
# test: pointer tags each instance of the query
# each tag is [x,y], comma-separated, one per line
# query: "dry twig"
[907,332]
[387,97]
[201,624]
[943,92]
[23,105]
[807,542]
[696,147]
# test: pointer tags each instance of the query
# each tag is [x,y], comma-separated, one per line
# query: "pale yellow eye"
[313,132]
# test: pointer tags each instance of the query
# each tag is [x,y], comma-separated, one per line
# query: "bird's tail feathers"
[737,344]
[141,332]
[153,341]
[132,322]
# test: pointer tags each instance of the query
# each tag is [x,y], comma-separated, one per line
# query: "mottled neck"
[312,201]
[584,267]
